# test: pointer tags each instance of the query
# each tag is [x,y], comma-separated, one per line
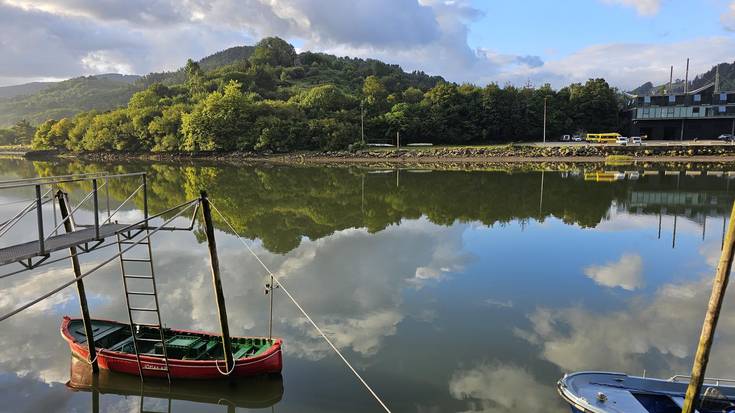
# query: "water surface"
[466,291]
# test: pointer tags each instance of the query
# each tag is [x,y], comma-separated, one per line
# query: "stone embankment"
[475,154]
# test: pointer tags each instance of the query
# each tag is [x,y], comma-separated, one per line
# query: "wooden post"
[219,295]
[63,209]
[710,320]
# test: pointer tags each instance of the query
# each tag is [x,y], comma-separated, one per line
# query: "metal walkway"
[86,238]
[32,249]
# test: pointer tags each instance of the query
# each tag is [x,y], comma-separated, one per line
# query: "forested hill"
[270,98]
[727,81]
[24,89]
[69,97]
[211,62]
[37,103]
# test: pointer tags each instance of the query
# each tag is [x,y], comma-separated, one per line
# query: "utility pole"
[686,80]
[710,320]
[671,79]
[717,79]
[219,294]
[362,121]
[545,99]
[398,139]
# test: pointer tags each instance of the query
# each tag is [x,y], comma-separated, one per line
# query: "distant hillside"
[109,91]
[226,57]
[24,89]
[214,61]
[727,81]
[68,98]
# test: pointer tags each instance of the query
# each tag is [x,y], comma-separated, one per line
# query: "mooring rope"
[226,373]
[301,309]
[184,207]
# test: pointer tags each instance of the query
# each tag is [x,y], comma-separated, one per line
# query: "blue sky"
[627,42]
[553,28]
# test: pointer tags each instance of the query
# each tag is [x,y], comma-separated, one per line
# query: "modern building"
[703,113]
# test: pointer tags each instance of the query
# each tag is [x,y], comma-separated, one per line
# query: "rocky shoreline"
[490,154]
[518,153]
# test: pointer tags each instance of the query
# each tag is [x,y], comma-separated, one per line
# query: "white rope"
[225,373]
[96,354]
[316,327]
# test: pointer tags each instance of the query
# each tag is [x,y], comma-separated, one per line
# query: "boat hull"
[270,361]
[609,392]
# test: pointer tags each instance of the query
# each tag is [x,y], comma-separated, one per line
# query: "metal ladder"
[148,274]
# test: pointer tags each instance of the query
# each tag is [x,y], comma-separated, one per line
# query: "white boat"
[604,392]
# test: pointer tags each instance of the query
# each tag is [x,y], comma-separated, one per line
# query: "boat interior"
[179,345]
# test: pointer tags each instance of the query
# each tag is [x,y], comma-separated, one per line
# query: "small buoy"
[601,397]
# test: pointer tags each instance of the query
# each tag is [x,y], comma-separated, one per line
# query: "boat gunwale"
[274,349]
[573,399]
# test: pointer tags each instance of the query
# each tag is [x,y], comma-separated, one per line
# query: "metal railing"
[44,187]
[711,380]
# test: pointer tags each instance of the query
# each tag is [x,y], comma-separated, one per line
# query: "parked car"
[565,138]
[621,140]
[726,137]
[636,140]
[577,138]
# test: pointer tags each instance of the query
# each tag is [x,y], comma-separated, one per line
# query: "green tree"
[375,94]
[273,51]
[111,131]
[413,95]
[42,137]
[332,133]
[82,123]
[324,99]
[7,137]
[23,131]
[219,122]
[59,133]
[407,119]
[195,79]
[596,106]
[166,128]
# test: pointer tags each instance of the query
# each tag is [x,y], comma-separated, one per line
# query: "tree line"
[281,205]
[277,100]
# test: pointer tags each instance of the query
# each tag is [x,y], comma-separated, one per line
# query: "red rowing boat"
[191,354]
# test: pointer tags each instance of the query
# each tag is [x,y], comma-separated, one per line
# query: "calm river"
[450,291]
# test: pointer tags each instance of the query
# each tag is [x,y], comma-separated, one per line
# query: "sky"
[627,42]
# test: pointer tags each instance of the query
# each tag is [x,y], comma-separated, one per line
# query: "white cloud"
[728,17]
[64,38]
[429,35]
[626,273]
[502,388]
[107,61]
[642,7]
[625,65]
[648,333]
